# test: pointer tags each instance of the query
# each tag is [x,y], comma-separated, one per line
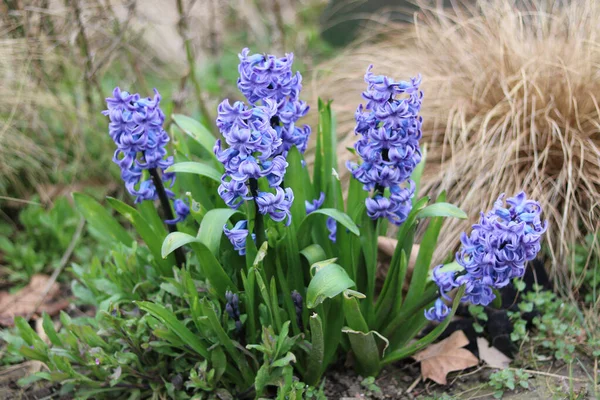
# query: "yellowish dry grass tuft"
[511,103]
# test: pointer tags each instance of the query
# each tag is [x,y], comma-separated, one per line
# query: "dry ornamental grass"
[511,103]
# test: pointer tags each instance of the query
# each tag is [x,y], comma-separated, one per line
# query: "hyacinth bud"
[232,308]
[298,305]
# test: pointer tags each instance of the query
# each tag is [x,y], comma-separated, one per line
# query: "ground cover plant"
[255,274]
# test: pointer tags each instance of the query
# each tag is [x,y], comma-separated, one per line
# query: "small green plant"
[587,268]
[41,240]
[370,385]
[557,329]
[508,379]
[479,314]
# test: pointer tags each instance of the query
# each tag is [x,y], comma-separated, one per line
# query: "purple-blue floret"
[237,236]
[182,210]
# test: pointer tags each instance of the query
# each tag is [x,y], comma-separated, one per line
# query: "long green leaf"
[423,262]
[145,230]
[176,326]
[442,210]
[295,178]
[427,339]
[213,270]
[209,311]
[417,173]
[196,131]
[211,229]
[329,281]
[192,167]
[101,220]
[317,351]
[342,218]
[392,289]
[175,240]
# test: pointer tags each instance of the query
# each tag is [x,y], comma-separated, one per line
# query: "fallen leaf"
[25,301]
[446,356]
[491,355]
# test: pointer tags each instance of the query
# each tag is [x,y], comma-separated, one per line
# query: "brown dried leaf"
[25,301]
[491,355]
[446,356]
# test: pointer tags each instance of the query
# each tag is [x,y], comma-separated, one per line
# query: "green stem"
[259,225]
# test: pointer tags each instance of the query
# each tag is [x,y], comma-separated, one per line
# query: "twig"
[534,372]
[63,262]
[89,64]
[413,385]
[189,52]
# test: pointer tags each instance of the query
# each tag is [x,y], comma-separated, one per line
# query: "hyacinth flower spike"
[390,130]
[495,252]
[136,127]
[256,139]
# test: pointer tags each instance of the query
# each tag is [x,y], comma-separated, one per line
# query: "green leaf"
[417,173]
[175,326]
[366,350]
[425,341]
[196,131]
[295,178]
[213,270]
[175,240]
[211,228]
[329,281]
[48,326]
[241,364]
[442,210]
[342,218]
[313,254]
[317,351]
[423,262]
[145,230]
[101,220]
[197,168]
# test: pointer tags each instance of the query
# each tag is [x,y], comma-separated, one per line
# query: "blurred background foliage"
[59,60]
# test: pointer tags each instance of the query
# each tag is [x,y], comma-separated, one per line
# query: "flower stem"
[166,206]
[259,226]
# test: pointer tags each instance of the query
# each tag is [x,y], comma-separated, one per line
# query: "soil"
[402,381]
